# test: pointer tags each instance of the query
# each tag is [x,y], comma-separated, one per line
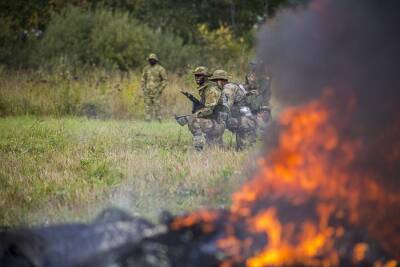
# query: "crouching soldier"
[241,121]
[205,124]
[258,85]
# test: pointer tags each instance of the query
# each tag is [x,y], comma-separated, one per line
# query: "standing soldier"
[205,124]
[258,85]
[241,121]
[154,81]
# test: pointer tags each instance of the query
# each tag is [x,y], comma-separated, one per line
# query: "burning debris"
[307,205]
[342,58]
[71,244]
[325,194]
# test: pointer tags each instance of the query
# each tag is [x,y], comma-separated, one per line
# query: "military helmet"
[256,62]
[152,56]
[219,75]
[253,62]
[201,70]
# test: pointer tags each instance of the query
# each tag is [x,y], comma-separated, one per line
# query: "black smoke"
[351,47]
[332,42]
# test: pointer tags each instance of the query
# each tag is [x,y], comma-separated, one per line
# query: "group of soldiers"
[241,109]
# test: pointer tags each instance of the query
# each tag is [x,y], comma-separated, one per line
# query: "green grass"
[64,169]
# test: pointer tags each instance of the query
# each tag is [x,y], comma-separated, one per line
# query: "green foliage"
[14,49]
[67,38]
[180,17]
[222,45]
[96,169]
[107,39]
[119,34]
[6,40]
[272,6]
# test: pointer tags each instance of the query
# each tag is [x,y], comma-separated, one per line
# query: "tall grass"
[67,169]
[96,93]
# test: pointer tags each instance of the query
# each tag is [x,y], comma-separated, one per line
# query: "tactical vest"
[238,93]
[222,107]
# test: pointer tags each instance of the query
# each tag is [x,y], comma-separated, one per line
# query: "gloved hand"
[181,120]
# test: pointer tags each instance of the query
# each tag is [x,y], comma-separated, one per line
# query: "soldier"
[259,87]
[205,123]
[241,121]
[154,81]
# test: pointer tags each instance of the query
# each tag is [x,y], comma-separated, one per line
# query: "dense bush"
[108,39]
[79,38]
[15,49]
[222,44]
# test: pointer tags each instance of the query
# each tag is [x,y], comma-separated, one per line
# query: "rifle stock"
[182,119]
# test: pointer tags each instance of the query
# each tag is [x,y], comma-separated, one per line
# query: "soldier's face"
[200,79]
[152,61]
[221,83]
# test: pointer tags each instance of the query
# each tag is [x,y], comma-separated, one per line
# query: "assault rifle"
[196,104]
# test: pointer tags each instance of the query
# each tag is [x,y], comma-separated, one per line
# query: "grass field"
[54,170]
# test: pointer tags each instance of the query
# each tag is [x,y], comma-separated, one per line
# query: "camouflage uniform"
[204,123]
[259,87]
[154,81]
[241,122]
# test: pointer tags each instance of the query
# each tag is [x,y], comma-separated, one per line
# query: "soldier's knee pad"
[247,124]
[216,127]
[232,124]
[194,126]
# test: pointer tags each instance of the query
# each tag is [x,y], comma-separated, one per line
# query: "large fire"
[305,202]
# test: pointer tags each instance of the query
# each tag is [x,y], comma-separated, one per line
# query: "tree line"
[116,33]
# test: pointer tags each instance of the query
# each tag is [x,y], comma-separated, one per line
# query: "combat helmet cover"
[220,75]
[152,56]
[201,70]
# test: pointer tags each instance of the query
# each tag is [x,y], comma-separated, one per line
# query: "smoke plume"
[350,51]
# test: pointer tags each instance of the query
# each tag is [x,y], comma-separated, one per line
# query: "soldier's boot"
[199,141]
[245,139]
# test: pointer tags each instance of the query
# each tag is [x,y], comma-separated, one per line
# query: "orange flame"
[311,171]
[310,161]
[207,218]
